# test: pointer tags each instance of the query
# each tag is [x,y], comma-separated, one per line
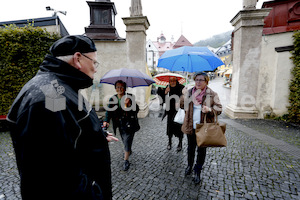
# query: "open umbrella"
[162,80]
[189,59]
[132,77]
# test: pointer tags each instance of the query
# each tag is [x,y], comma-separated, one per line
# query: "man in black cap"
[61,150]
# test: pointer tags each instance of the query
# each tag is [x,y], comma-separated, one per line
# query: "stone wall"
[274,75]
[261,68]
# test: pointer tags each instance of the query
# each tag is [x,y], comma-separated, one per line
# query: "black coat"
[62,154]
[119,116]
[173,128]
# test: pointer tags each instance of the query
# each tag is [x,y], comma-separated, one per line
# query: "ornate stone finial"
[249,4]
[136,8]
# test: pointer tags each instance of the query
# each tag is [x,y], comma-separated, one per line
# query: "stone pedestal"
[248,26]
[136,27]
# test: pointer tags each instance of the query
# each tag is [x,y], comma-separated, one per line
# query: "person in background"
[124,117]
[61,153]
[203,101]
[173,128]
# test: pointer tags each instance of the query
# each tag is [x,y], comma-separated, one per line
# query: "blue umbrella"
[132,77]
[189,59]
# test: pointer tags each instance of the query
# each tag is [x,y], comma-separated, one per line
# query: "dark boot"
[188,170]
[197,176]
[126,165]
[179,147]
[170,143]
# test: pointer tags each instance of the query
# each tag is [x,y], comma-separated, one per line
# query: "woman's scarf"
[197,95]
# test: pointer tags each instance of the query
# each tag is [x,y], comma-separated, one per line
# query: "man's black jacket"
[62,154]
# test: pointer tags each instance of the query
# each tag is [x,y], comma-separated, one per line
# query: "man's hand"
[111,138]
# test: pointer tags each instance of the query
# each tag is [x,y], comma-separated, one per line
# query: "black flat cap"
[71,44]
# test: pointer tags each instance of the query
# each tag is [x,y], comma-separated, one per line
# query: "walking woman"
[124,117]
[173,128]
[199,100]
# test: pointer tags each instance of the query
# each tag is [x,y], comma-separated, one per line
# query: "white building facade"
[152,55]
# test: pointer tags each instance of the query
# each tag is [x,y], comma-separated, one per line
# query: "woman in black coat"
[123,112]
[173,128]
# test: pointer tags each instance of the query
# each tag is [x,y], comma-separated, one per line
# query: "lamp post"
[48,8]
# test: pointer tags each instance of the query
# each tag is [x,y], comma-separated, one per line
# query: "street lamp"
[48,8]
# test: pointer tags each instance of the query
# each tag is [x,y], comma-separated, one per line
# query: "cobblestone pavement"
[281,130]
[248,168]
[9,176]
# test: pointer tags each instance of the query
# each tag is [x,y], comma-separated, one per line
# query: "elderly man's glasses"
[96,63]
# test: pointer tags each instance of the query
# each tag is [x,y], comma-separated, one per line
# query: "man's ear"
[76,60]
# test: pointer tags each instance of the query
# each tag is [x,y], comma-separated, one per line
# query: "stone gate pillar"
[136,27]
[247,38]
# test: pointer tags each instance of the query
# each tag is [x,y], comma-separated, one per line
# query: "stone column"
[248,26]
[136,27]
[249,4]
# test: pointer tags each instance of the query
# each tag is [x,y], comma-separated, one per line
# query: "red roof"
[182,41]
[162,47]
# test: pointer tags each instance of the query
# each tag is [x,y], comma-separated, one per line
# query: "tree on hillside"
[216,40]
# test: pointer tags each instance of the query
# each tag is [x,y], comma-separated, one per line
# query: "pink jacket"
[210,99]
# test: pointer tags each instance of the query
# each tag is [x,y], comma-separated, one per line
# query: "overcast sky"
[195,19]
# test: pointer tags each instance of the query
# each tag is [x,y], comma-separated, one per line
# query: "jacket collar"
[67,73]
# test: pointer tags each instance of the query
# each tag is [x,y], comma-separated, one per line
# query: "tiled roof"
[162,47]
[182,41]
[224,49]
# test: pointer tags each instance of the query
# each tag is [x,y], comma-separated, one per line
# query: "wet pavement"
[261,161]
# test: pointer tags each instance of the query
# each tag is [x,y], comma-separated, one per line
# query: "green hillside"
[216,40]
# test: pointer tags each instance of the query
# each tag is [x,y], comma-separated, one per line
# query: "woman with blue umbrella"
[201,101]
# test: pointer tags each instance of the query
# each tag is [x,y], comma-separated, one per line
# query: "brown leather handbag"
[211,134]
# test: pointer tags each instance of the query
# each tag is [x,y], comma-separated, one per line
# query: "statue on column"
[249,4]
[136,8]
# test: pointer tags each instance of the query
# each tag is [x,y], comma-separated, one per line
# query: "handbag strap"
[215,117]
